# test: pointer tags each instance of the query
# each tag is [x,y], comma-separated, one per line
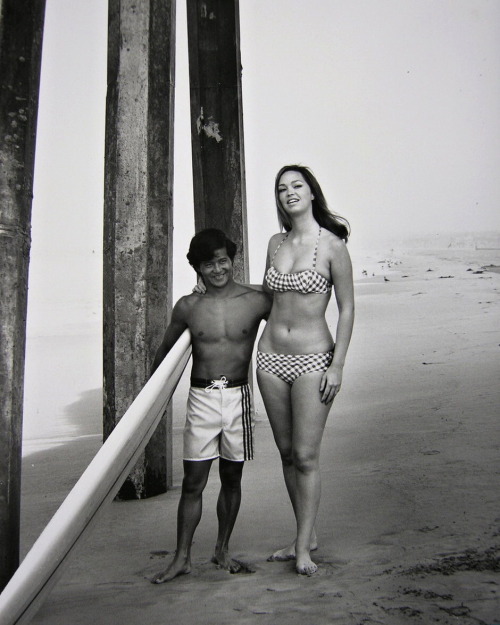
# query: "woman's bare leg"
[277,400]
[309,419]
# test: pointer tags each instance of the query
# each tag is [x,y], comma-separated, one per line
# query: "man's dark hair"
[205,243]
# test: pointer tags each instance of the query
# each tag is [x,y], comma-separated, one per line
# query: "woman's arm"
[341,272]
[344,295]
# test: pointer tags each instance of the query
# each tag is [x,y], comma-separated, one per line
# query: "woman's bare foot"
[305,566]
[288,553]
[174,570]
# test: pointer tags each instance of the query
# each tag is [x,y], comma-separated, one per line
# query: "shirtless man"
[219,420]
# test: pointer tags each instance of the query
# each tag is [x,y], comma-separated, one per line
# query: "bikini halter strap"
[315,256]
[280,244]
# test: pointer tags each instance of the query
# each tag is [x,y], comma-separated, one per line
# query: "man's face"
[218,270]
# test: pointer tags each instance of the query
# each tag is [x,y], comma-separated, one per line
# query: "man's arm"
[176,327]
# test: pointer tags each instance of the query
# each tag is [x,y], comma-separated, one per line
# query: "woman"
[299,366]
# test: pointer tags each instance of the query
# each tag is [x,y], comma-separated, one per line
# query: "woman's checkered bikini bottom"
[288,367]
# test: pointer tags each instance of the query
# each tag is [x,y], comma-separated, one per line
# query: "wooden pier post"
[217,122]
[138,217]
[21,33]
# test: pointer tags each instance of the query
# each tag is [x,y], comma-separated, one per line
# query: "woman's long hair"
[321,213]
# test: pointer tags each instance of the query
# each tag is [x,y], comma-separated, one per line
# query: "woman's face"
[294,193]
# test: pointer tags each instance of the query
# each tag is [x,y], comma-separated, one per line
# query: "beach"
[409,522]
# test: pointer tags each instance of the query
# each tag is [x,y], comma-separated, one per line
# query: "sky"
[394,104]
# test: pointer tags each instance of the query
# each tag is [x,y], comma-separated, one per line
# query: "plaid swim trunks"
[288,367]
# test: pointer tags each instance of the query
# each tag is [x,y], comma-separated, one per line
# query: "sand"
[409,524]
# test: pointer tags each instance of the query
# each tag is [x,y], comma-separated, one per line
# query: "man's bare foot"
[223,561]
[174,570]
[288,553]
[305,566]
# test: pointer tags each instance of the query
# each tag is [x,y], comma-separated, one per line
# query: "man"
[219,421]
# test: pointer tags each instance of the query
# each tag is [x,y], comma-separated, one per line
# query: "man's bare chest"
[218,320]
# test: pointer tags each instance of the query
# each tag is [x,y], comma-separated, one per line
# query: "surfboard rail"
[100,482]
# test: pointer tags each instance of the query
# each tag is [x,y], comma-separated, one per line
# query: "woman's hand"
[200,287]
[330,383]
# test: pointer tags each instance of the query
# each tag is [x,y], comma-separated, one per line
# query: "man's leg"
[228,505]
[188,516]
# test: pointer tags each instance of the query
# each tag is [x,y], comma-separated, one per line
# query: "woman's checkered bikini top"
[307,281]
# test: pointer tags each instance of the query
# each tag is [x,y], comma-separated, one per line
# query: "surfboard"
[97,487]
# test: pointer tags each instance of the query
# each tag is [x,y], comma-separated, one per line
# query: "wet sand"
[409,524]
